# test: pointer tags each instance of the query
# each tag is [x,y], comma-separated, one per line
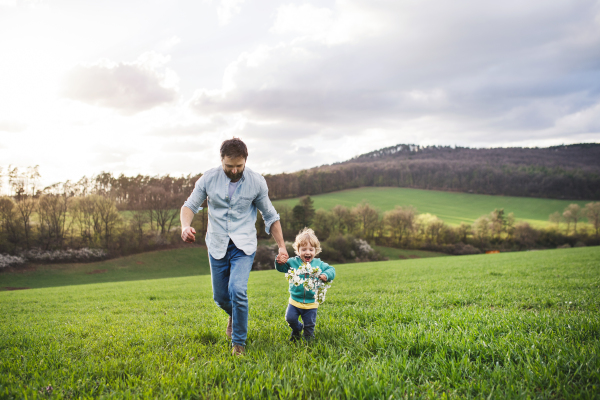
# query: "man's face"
[233,167]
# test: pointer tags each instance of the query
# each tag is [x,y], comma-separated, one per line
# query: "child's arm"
[328,271]
[285,267]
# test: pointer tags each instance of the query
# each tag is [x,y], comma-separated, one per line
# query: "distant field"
[152,265]
[453,208]
[511,325]
[173,263]
[401,254]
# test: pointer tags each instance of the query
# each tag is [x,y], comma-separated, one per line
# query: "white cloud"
[443,72]
[347,23]
[227,9]
[305,19]
[12,126]
[126,87]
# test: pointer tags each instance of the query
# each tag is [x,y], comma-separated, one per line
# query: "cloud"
[12,126]
[215,124]
[473,69]
[227,9]
[125,87]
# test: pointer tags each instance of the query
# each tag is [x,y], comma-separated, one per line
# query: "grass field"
[453,208]
[512,325]
[151,265]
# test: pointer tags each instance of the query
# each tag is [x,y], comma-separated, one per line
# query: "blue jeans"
[230,283]
[309,318]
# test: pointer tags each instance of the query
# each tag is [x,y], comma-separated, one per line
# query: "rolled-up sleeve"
[194,202]
[264,205]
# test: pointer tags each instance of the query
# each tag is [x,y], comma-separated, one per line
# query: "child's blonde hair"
[307,236]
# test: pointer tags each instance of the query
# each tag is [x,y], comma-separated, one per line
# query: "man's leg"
[241,264]
[219,272]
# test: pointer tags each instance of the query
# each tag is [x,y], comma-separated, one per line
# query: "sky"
[153,87]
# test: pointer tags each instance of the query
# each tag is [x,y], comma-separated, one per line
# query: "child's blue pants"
[309,318]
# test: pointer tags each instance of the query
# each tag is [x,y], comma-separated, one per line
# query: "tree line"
[569,172]
[404,227]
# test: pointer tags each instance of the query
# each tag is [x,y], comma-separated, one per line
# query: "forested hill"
[563,172]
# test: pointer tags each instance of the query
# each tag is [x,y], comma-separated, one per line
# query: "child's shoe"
[295,336]
[308,339]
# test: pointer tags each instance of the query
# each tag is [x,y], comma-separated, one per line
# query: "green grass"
[451,207]
[395,254]
[511,325]
[151,265]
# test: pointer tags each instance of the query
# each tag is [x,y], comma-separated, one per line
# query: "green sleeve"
[328,270]
[282,267]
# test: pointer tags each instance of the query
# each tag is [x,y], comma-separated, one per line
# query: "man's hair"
[304,237]
[234,148]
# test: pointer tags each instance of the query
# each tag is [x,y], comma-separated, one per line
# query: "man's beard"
[234,177]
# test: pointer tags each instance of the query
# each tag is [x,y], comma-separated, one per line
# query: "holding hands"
[282,257]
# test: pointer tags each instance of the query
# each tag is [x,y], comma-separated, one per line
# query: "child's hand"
[323,277]
[282,257]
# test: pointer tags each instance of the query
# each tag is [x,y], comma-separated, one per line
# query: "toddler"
[302,303]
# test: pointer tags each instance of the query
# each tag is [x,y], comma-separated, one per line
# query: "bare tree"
[109,217]
[368,218]
[342,219]
[481,229]
[52,212]
[463,231]
[400,222]
[9,222]
[25,207]
[572,214]
[139,218]
[87,214]
[525,235]
[322,223]
[555,218]
[592,212]
[163,206]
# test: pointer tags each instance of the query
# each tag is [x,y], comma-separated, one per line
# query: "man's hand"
[282,257]
[323,277]
[188,234]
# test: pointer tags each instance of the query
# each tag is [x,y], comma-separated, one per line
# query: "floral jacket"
[298,293]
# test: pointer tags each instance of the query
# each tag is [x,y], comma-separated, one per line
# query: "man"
[234,194]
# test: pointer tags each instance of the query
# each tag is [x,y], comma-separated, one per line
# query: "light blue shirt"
[232,217]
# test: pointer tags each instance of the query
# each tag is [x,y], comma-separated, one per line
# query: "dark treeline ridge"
[561,172]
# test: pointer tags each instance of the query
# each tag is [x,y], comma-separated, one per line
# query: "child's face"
[307,252]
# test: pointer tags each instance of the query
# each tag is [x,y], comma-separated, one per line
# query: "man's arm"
[277,233]
[271,218]
[191,206]
[187,232]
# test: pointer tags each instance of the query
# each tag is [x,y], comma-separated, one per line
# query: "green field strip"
[509,325]
[451,207]
[151,265]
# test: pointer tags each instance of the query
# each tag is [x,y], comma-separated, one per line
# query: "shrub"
[347,248]
[68,255]
[264,258]
[10,261]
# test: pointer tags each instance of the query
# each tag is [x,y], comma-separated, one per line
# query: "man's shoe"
[238,350]
[229,328]
[309,339]
[295,336]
